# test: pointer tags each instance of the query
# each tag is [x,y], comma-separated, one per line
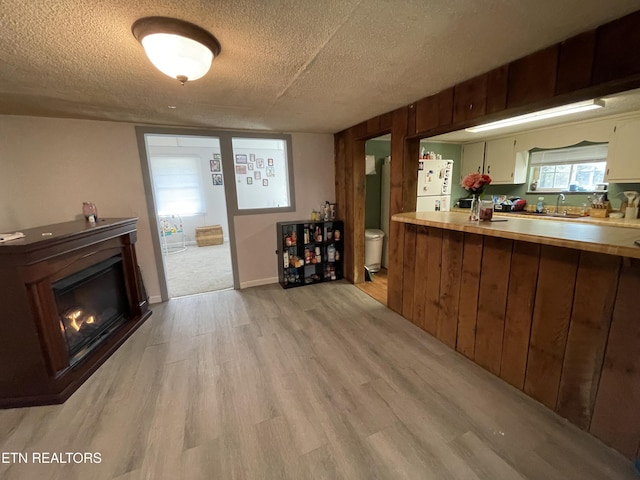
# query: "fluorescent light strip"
[541,115]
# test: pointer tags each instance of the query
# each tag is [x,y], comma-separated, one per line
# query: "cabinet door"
[472,159]
[622,160]
[469,99]
[499,160]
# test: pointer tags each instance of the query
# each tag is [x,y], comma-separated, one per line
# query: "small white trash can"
[373,241]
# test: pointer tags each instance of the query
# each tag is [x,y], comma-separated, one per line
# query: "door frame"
[229,190]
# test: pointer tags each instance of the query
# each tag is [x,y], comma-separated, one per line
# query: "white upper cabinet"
[623,162]
[502,164]
[497,158]
[472,159]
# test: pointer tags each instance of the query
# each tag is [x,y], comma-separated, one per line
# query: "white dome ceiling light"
[179,49]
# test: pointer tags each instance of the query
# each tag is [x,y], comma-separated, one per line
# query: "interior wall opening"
[188,188]
[377,216]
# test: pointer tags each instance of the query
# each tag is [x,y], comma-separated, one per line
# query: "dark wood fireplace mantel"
[35,365]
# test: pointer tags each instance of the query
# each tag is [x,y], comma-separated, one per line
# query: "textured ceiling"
[295,66]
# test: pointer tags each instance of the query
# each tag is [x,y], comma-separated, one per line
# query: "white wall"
[314,179]
[48,167]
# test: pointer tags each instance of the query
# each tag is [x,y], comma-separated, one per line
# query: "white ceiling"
[295,66]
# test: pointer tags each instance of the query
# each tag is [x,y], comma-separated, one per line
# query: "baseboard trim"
[258,283]
[155,299]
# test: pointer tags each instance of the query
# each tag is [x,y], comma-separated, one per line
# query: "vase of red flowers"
[475,183]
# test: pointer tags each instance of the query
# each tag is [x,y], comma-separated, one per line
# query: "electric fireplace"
[71,294]
[91,304]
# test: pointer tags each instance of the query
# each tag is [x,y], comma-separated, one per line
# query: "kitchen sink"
[553,215]
[564,215]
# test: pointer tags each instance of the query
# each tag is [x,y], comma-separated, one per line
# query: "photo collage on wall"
[255,169]
[215,165]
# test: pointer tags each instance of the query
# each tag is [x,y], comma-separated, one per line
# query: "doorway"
[377,196]
[187,187]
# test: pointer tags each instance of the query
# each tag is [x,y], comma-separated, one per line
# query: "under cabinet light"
[541,115]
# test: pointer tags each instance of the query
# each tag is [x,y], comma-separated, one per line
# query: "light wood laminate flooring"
[377,288]
[319,382]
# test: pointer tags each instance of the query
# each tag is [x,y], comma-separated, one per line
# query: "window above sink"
[579,168]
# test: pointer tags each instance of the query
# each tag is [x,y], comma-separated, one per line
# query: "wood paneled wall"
[598,62]
[559,324]
[552,322]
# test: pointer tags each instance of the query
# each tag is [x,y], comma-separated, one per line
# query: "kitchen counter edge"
[611,240]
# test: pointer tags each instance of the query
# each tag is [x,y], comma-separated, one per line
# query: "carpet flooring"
[199,270]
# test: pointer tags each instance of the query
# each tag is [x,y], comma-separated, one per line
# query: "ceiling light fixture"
[179,49]
[542,114]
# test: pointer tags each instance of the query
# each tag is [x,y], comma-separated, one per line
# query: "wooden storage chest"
[211,235]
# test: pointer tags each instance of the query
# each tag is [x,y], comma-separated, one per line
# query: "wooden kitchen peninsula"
[550,307]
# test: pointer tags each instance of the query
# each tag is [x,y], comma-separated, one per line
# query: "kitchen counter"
[548,306]
[613,222]
[600,237]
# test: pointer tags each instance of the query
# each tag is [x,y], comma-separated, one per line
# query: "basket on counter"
[211,235]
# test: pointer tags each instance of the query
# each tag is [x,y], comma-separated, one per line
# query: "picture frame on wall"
[265,183]
[217,178]
[241,169]
[260,162]
[250,166]
[217,156]
[271,172]
[241,158]
[252,157]
[249,181]
[215,165]
[257,175]
[270,162]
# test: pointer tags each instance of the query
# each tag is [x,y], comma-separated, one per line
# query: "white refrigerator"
[434,185]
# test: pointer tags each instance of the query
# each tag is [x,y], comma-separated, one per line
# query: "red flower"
[475,182]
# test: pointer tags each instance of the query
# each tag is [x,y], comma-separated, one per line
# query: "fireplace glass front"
[91,304]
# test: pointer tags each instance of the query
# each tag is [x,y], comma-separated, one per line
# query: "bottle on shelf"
[331,253]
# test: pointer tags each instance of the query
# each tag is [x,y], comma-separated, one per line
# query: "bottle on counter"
[540,205]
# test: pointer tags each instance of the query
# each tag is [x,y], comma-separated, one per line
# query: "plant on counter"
[474,183]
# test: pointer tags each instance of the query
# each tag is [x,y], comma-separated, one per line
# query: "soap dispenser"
[540,205]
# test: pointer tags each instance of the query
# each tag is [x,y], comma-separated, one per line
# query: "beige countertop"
[602,237]
[615,222]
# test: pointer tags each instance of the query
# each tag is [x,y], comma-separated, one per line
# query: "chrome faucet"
[560,197]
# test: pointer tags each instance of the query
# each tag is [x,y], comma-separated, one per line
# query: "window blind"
[178,188]
[570,155]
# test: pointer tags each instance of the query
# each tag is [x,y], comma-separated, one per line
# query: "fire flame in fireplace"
[77,317]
